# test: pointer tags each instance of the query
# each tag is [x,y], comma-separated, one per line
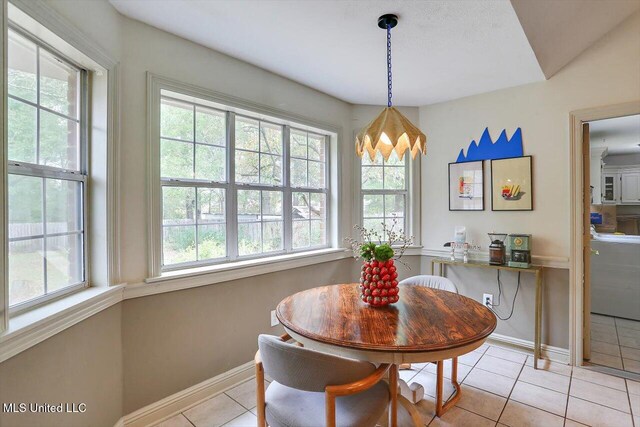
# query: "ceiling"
[620,135]
[442,50]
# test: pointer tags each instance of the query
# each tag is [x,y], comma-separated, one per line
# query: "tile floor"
[500,388]
[615,343]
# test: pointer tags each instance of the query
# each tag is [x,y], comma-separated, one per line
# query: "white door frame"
[576,267]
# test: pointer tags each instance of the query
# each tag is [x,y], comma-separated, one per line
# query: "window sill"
[203,276]
[34,326]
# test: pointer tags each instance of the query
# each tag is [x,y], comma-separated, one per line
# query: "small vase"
[378,283]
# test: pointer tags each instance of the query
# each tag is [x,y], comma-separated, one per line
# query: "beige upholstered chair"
[434,282]
[312,389]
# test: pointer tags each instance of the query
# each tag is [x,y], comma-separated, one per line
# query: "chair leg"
[260,404]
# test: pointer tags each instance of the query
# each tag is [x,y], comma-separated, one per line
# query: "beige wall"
[607,73]
[82,364]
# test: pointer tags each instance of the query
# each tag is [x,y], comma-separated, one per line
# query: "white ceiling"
[620,135]
[442,50]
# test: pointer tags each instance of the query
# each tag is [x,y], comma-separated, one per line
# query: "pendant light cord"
[389,65]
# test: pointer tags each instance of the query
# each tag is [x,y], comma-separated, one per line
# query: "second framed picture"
[466,186]
[511,184]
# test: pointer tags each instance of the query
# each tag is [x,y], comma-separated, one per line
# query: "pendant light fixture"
[391,130]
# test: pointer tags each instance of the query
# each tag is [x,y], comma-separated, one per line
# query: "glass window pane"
[211,163]
[248,205]
[59,142]
[64,206]
[176,120]
[316,174]
[178,205]
[373,206]
[298,144]
[249,238]
[371,178]
[179,244]
[394,161]
[366,160]
[270,169]
[212,241]
[298,173]
[316,147]
[64,261]
[374,225]
[394,178]
[318,233]
[272,234]
[211,205]
[271,205]
[300,205]
[211,126]
[396,222]
[301,234]
[25,206]
[394,205]
[247,134]
[22,132]
[26,270]
[21,75]
[59,85]
[247,167]
[271,138]
[176,159]
[318,208]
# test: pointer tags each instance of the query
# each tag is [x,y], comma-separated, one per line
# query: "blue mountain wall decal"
[487,149]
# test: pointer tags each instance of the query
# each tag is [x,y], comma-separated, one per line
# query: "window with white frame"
[384,185]
[47,171]
[236,186]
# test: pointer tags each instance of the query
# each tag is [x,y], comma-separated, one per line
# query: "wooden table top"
[422,320]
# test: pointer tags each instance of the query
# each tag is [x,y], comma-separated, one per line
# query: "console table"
[534,269]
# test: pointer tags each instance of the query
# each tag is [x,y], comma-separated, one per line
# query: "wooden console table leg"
[393,404]
[538,320]
[441,408]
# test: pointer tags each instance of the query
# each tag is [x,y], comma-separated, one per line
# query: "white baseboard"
[185,399]
[556,354]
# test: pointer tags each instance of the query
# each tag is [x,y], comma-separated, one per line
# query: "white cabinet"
[630,187]
[610,188]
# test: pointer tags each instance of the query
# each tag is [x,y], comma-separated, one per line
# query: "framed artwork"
[511,184]
[466,186]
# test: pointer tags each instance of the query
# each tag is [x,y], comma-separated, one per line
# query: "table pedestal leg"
[441,408]
[393,404]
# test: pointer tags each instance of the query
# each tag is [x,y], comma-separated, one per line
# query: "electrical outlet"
[274,318]
[487,299]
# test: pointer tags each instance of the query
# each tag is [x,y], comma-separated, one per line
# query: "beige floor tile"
[627,323]
[606,360]
[633,387]
[542,378]
[599,378]
[499,366]
[539,397]
[571,423]
[630,353]
[510,355]
[634,399]
[628,332]
[482,402]
[470,359]
[245,420]
[463,369]
[488,381]
[519,415]
[214,412]
[245,393]
[630,342]
[596,415]
[408,374]
[606,329]
[458,417]
[550,366]
[176,421]
[428,381]
[631,365]
[604,320]
[604,337]
[602,395]
[605,347]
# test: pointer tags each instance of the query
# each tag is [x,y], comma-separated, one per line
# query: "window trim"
[43,171]
[155,86]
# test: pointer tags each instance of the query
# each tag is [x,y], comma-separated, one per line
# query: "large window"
[236,186]
[47,172]
[384,191]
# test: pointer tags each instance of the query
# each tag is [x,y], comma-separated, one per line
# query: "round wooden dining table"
[425,325]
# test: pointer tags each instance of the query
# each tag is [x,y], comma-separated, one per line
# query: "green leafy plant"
[383,252]
[367,251]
